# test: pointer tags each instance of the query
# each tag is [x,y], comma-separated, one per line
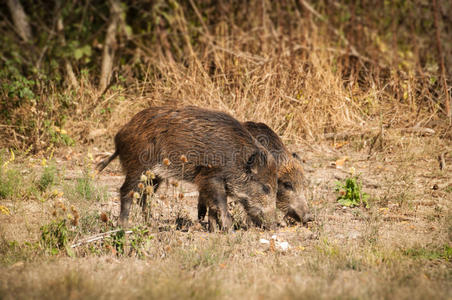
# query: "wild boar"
[208,148]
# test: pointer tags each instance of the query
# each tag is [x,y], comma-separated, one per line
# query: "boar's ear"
[255,160]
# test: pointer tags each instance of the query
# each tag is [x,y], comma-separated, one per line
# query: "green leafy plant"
[118,241]
[54,237]
[350,193]
[57,135]
[138,240]
[17,87]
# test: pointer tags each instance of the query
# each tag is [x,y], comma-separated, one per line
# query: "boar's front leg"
[213,193]
[202,209]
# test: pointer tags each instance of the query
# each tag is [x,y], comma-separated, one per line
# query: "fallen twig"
[398,218]
[423,131]
[98,237]
[442,161]
[342,135]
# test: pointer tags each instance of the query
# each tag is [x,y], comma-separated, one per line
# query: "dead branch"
[98,237]
[67,64]
[345,135]
[20,19]
[398,218]
[422,131]
[342,135]
[110,45]
[442,160]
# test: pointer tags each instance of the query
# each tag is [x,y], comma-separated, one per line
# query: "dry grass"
[281,68]
[206,270]
[398,248]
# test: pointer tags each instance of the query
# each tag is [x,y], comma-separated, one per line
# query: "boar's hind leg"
[212,191]
[126,198]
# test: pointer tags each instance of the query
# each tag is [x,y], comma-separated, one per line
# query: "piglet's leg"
[213,193]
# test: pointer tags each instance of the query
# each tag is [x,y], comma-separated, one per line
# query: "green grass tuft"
[10,182]
[48,177]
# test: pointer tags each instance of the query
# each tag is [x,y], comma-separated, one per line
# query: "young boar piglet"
[292,182]
[290,198]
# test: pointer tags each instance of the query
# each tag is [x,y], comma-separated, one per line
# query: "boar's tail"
[101,165]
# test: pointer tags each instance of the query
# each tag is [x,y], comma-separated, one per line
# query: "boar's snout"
[299,211]
[307,218]
[269,218]
[264,218]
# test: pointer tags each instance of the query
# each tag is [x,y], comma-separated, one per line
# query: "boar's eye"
[287,185]
[266,189]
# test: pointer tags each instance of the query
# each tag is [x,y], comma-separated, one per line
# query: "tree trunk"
[67,64]
[20,19]
[110,45]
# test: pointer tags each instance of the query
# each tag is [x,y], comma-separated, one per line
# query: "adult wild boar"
[219,155]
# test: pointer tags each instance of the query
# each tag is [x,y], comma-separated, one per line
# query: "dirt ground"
[399,247]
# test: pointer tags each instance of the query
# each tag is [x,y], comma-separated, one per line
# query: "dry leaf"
[272,245]
[339,145]
[340,162]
